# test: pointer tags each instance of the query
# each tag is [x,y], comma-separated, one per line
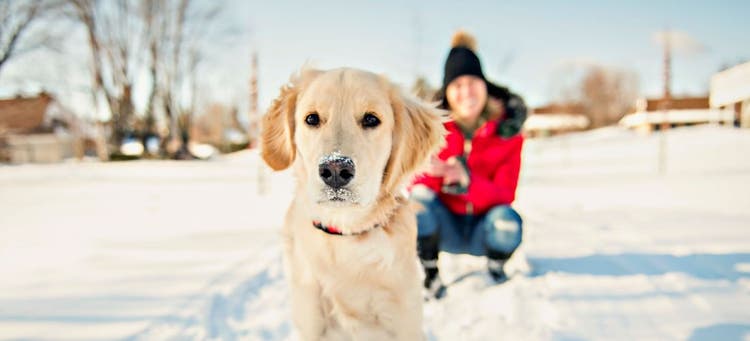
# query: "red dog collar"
[336,231]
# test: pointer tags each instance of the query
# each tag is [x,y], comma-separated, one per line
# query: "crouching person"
[468,188]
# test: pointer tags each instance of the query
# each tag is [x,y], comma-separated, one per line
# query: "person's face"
[467,96]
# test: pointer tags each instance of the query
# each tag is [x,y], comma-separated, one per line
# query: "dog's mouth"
[338,196]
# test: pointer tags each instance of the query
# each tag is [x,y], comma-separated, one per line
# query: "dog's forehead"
[346,87]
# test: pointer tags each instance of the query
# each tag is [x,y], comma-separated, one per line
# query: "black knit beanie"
[461,61]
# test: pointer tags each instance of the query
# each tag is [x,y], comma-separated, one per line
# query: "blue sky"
[521,43]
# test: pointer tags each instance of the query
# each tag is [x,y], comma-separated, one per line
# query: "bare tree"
[172,19]
[154,26]
[210,126]
[115,37]
[605,94]
[423,90]
[165,38]
[16,19]
[177,30]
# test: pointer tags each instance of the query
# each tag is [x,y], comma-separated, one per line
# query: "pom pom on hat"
[463,39]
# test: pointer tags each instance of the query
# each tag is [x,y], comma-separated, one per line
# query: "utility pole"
[666,102]
[253,131]
[253,115]
[667,69]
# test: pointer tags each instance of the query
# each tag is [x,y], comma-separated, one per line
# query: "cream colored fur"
[365,286]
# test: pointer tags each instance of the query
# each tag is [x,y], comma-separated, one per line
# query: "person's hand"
[436,167]
[455,173]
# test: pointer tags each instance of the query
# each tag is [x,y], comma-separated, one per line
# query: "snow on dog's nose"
[336,170]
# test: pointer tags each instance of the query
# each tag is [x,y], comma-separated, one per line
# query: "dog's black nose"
[336,171]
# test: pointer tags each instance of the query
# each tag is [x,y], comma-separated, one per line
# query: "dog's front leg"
[388,321]
[307,309]
[408,321]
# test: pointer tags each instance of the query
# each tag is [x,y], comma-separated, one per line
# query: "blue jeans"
[496,233]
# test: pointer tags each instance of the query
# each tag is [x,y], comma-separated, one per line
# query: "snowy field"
[190,250]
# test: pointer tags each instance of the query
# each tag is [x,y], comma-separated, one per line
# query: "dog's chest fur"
[358,275]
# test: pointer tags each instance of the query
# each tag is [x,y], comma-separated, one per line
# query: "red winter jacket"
[493,165]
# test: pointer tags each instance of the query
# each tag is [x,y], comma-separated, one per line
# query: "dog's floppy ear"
[278,149]
[418,132]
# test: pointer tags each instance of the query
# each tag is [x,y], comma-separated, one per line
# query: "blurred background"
[634,185]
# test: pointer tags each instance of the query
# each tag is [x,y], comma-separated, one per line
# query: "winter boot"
[428,249]
[495,266]
[433,285]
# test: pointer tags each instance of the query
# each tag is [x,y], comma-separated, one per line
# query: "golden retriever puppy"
[352,138]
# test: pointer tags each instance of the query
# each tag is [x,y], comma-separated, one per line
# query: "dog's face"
[352,133]
[344,137]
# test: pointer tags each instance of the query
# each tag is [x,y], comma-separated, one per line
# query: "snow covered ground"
[189,250]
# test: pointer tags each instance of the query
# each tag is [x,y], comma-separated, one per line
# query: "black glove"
[515,115]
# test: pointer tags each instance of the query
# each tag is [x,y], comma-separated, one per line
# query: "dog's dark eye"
[370,120]
[312,119]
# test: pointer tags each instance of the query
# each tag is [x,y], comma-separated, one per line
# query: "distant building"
[730,90]
[651,114]
[555,119]
[37,129]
